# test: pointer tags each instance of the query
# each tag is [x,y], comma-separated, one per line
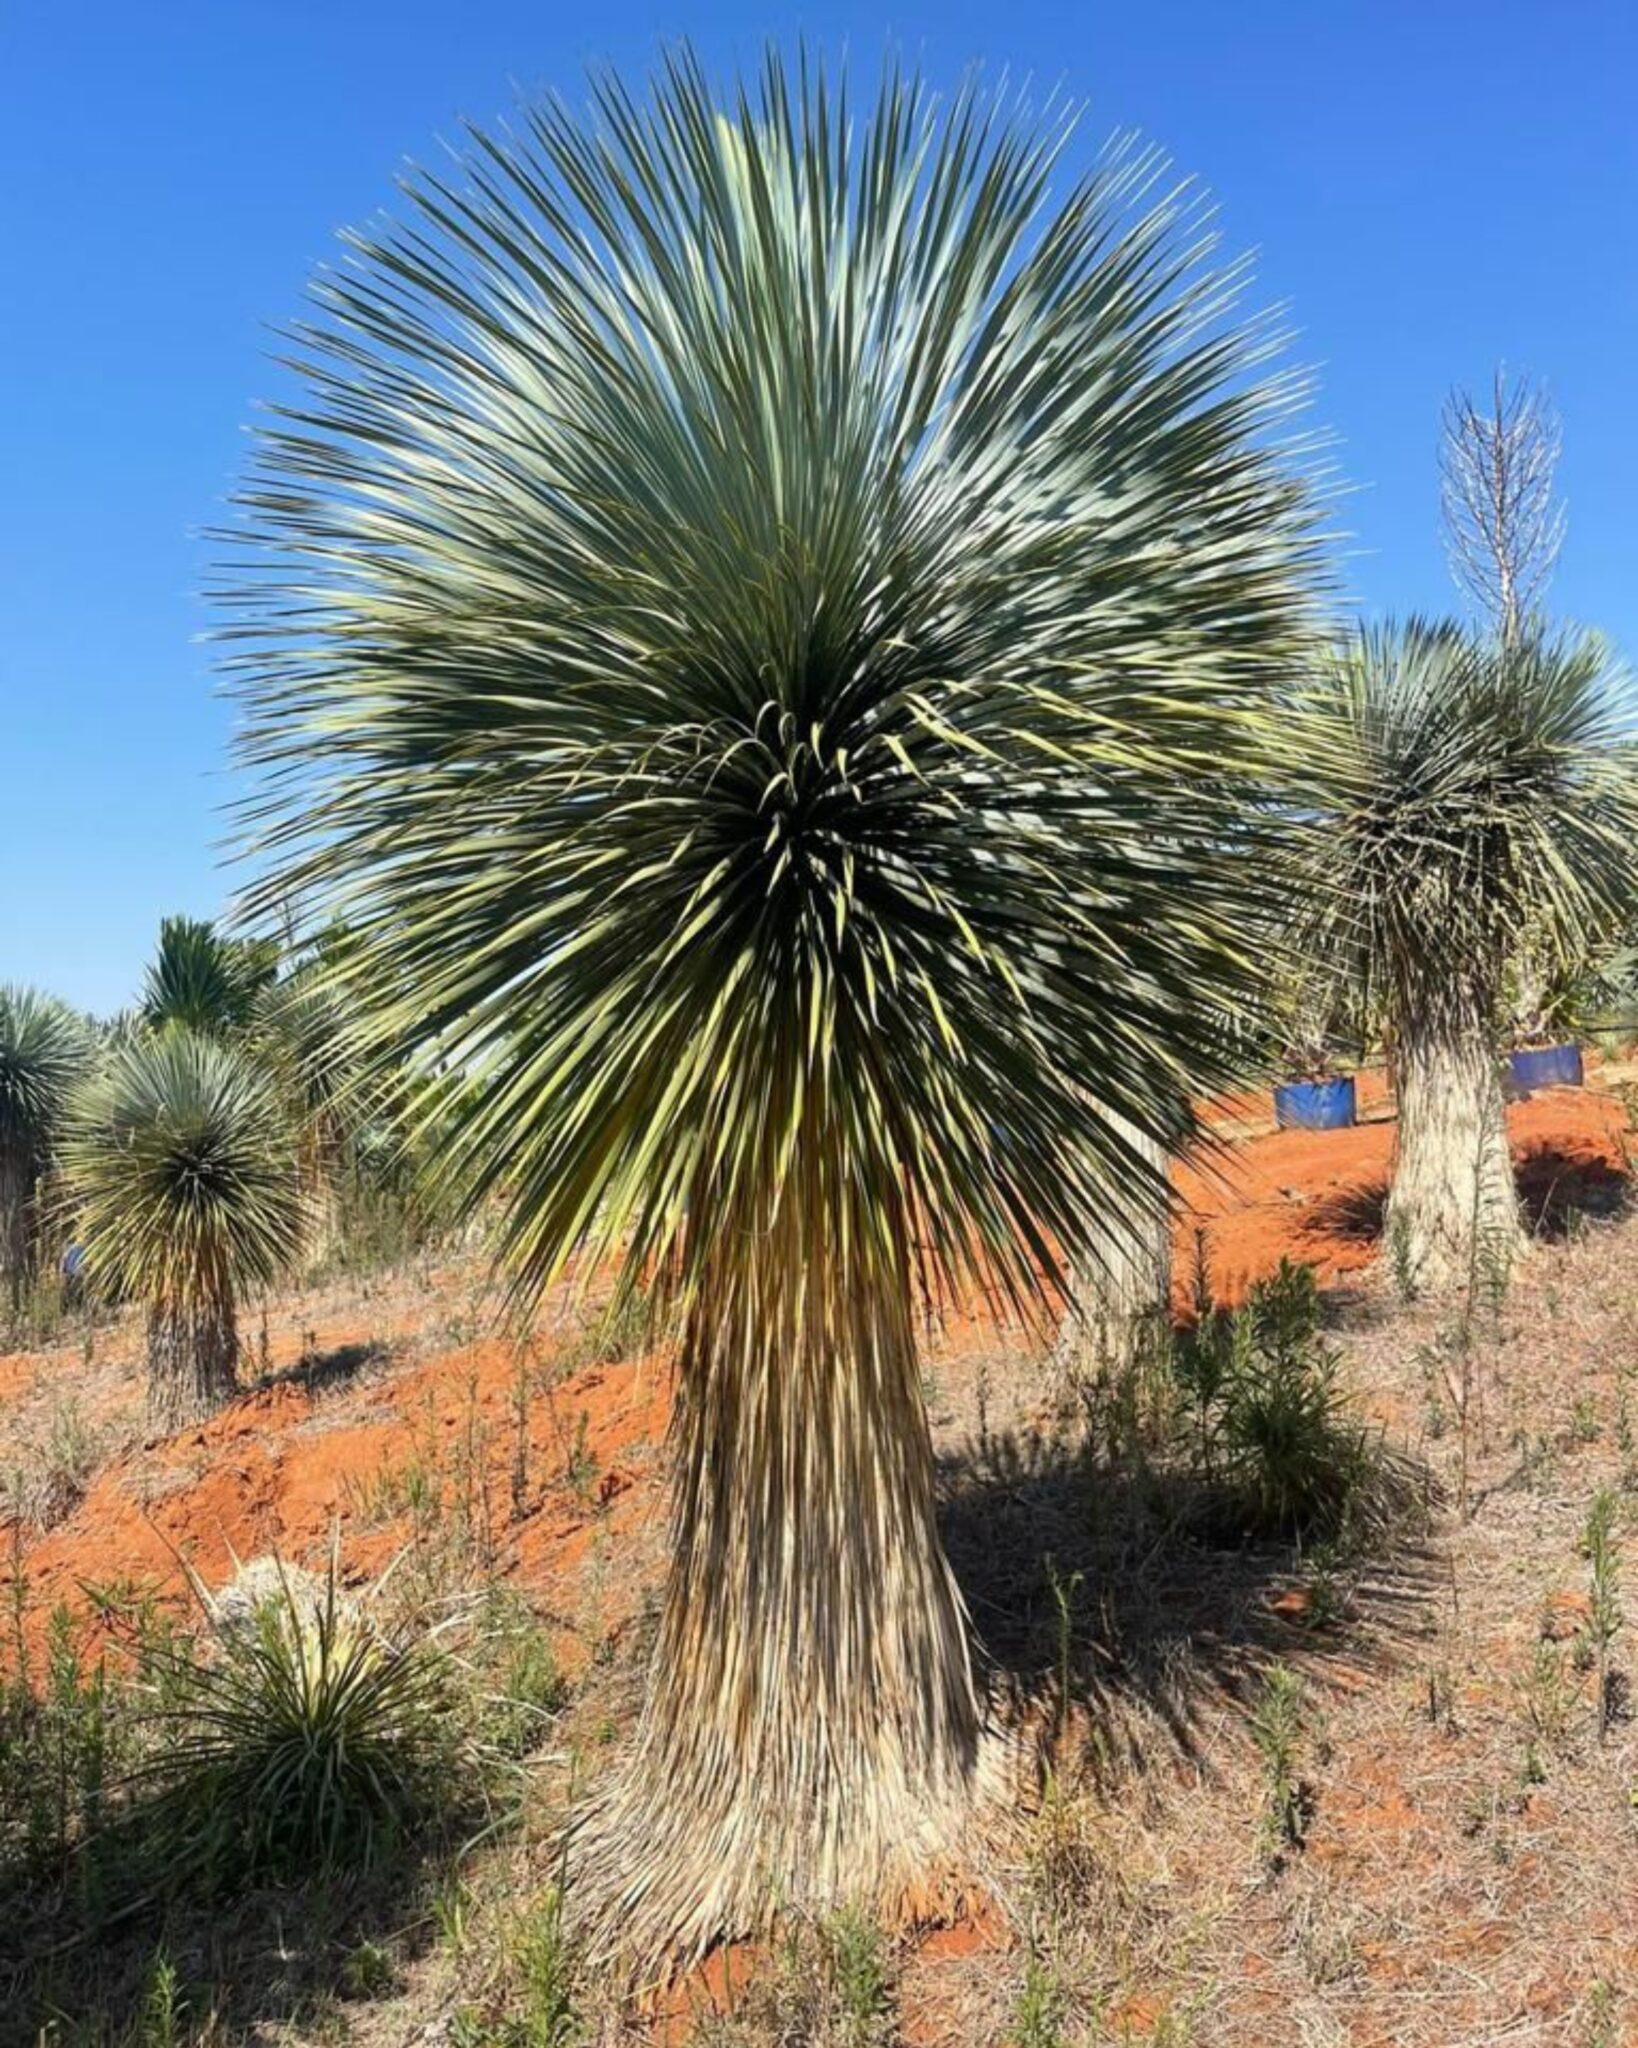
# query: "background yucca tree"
[1479,791]
[206,982]
[44,1048]
[1121,1284]
[761,626]
[303,1034]
[179,1159]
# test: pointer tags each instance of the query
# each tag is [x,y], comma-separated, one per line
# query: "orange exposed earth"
[391,1418]
[1316,1196]
[308,1454]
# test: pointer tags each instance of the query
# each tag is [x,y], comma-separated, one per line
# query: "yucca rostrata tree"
[1477,791]
[303,1034]
[1121,1285]
[760,625]
[205,982]
[180,1162]
[44,1048]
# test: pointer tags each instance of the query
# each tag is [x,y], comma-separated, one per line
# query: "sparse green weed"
[162,2020]
[1548,1698]
[522,1688]
[1277,1729]
[539,2006]
[1598,1545]
[829,1986]
[1585,1424]
[1042,2011]
[857,1956]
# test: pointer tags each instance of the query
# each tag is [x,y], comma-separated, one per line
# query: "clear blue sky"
[1432,184]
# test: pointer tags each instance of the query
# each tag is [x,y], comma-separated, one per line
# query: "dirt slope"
[1449,1893]
[371,1391]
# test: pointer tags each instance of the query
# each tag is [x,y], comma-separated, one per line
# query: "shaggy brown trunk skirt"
[814,1732]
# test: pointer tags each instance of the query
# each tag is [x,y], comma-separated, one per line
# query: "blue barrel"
[1546,1066]
[1315,1105]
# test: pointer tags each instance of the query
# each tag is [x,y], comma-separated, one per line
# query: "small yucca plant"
[43,1049]
[180,1160]
[301,1740]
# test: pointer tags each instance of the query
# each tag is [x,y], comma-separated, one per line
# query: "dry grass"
[1463,1874]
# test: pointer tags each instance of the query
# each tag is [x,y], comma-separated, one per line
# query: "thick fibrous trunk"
[1452,1215]
[814,1732]
[193,1354]
[1123,1282]
[321,1172]
[16,1236]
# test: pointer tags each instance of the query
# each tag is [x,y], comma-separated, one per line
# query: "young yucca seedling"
[1039,2017]
[367,1971]
[1276,1728]
[1603,1599]
[301,1742]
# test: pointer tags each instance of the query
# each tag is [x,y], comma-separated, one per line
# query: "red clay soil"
[275,1473]
[1317,1196]
[288,1464]
[575,1502]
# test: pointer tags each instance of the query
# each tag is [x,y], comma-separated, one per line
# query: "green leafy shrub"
[1274,1432]
[540,2007]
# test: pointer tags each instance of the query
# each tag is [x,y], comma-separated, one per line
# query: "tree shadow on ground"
[1350,1215]
[1560,1185]
[1557,1186]
[1116,1602]
[83,1947]
[318,1371]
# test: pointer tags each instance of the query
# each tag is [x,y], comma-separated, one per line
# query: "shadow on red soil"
[398,1431]
[335,1435]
